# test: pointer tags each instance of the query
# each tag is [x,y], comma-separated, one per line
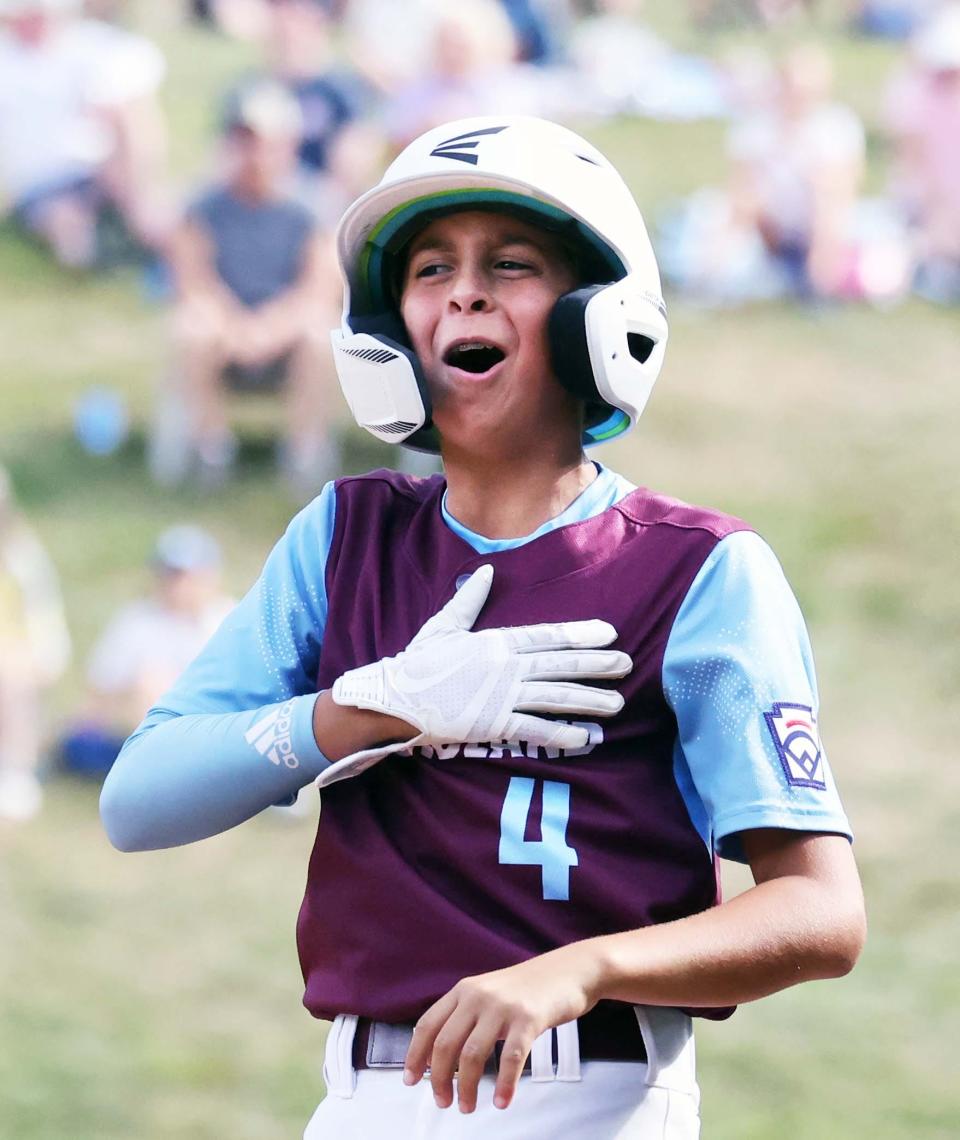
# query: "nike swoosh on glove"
[457,685]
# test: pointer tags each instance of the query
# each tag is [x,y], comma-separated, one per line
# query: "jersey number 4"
[550,852]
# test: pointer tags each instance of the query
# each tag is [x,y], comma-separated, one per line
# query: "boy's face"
[477,292]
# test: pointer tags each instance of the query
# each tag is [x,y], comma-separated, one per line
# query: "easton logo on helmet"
[460,145]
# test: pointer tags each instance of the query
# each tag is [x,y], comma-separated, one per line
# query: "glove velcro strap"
[358,762]
[363,688]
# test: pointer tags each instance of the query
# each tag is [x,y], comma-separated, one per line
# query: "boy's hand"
[460,686]
[458,1034]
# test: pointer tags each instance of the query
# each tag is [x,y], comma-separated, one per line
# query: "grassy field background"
[157,996]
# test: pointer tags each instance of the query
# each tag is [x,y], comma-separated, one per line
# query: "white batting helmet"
[607,337]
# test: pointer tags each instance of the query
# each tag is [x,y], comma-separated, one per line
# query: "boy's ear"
[567,334]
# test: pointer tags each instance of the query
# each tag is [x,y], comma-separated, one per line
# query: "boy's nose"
[470,294]
[478,304]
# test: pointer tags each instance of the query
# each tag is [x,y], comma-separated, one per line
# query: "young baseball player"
[538,700]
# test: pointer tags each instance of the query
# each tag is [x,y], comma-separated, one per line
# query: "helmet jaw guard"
[607,341]
[607,344]
[383,385]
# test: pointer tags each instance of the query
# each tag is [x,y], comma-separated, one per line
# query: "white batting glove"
[460,686]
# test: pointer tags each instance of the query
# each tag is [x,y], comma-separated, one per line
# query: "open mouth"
[473,356]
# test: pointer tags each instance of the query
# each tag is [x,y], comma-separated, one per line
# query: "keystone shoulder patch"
[795,736]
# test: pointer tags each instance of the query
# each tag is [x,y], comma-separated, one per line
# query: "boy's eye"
[431,269]
[512,264]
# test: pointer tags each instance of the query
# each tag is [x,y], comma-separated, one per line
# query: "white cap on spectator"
[184,548]
[937,44]
[266,108]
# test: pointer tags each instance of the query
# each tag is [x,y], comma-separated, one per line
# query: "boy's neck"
[514,497]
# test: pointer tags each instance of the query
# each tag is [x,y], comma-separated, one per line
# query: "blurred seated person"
[146,645]
[623,67]
[797,167]
[790,222]
[243,19]
[540,26]
[299,52]
[34,651]
[724,13]
[255,300]
[923,118]
[614,49]
[472,70]
[386,41]
[111,11]
[889,19]
[202,12]
[82,137]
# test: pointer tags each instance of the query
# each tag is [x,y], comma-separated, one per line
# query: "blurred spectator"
[299,53]
[34,651]
[722,13]
[146,645]
[255,299]
[624,68]
[539,28]
[797,168]
[472,70]
[241,19]
[356,160]
[614,50]
[789,222]
[923,116]
[82,139]
[111,11]
[889,19]
[202,12]
[388,41]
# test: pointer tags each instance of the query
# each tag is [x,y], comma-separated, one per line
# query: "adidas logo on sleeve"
[270,735]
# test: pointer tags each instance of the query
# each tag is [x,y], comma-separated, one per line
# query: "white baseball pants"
[593,1100]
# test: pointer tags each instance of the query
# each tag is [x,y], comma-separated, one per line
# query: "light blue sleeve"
[235,732]
[738,672]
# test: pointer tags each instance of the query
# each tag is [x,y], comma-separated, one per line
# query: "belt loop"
[568,1052]
[541,1057]
[338,1071]
[668,1038]
[388,1044]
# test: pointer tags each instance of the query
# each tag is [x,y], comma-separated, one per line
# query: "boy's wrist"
[591,965]
[615,960]
[341,730]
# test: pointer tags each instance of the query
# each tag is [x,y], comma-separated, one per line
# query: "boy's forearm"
[778,933]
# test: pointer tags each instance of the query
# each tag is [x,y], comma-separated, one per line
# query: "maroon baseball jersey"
[449,862]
